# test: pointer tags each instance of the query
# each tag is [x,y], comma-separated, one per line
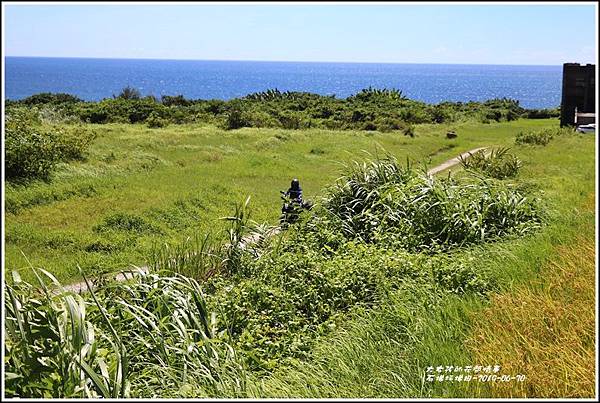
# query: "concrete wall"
[578,91]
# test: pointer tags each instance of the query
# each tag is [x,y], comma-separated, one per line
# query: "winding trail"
[128,274]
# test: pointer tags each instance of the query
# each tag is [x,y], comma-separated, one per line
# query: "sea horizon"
[94,79]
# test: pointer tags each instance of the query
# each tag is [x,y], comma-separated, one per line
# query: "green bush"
[120,110]
[369,109]
[540,137]
[32,151]
[155,121]
[73,142]
[498,163]
[236,119]
[128,93]
[50,98]
[58,114]
[381,202]
[542,113]
[178,100]
[460,277]
[388,124]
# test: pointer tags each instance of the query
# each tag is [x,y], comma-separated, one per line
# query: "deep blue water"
[95,79]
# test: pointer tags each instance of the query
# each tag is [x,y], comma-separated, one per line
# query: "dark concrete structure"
[578,91]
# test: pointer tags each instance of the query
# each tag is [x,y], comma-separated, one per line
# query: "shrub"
[499,163]
[388,124]
[236,119]
[293,120]
[493,115]
[369,126]
[72,143]
[541,137]
[381,202]
[385,109]
[128,93]
[542,113]
[178,100]
[30,151]
[50,98]
[511,115]
[155,121]
[55,114]
[121,110]
[440,114]
[460,277]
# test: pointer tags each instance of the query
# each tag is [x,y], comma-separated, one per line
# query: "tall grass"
[202,257]
[384,202]
[499,163]
[540,137]
[52,345]
[545,330]
[152,336]
[199,257]
[173,337]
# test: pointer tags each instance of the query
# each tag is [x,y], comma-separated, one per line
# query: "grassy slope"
[180,179]
[385,353]
[546,329]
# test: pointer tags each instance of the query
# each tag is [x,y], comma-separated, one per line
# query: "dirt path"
[126,274]
[143,270]
[453,161]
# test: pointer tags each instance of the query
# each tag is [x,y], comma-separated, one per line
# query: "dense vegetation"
[385,262]
[369,109]
[32,151]
[498,163]
[263,305]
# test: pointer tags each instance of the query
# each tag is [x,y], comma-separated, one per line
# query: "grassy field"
[142,186]
[355,305]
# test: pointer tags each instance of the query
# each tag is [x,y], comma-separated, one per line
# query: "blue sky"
[396,33]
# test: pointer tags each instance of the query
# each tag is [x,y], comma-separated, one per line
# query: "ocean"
[95,79]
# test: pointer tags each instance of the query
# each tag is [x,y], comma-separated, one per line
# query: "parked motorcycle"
[291,209]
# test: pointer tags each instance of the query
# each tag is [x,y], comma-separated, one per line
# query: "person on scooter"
[295,191]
